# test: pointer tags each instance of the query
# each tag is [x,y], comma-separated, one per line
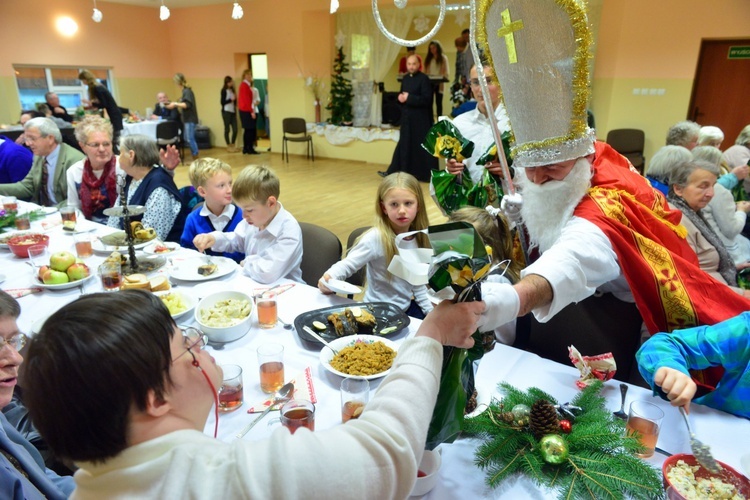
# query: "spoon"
[701,451]
[287,326]
[621,413]
[282,396]
[320,339]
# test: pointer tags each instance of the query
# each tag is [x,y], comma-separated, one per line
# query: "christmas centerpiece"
[8,217]
[579,450]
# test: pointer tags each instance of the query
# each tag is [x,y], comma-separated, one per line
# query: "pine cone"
[471,403]
[543,419]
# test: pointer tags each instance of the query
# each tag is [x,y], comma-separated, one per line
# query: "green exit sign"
[741,52]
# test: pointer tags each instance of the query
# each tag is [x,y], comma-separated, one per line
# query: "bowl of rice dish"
[690,481]
[224,316]
[360,356]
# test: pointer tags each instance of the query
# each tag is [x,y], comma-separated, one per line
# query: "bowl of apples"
[64,271]
[20,244]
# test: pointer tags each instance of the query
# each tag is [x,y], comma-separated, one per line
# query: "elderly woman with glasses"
[150,185]
[92,182]
[127,395]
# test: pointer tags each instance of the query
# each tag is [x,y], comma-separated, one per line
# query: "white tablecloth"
[339,136]
[728,436]
[147,127]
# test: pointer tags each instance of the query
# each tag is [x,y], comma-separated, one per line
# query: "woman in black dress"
[101,98]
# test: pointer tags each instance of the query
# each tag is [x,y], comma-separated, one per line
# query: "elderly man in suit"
[46,184]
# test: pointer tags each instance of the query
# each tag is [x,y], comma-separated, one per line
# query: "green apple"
[78,272]
[52,277]
[61,261]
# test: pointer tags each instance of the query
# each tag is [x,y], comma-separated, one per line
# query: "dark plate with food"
[369,318]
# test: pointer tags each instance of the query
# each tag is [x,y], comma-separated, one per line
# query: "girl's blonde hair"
[494,232]
[88,77]
[399,180]
[179,79]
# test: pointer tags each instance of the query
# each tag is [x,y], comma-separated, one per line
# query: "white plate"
[340,286]
[745,463]
[188,299]
[82,226]
[62,286]
[48,210]
[326,355]
[2,278]
[150,249]
[187,270]
[100,247]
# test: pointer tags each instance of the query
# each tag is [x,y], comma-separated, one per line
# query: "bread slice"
[160,283]
[132,281]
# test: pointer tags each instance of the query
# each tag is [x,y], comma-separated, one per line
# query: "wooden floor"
[336,194]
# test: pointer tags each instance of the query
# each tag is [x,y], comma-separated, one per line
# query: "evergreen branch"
[583,474]
[493,479]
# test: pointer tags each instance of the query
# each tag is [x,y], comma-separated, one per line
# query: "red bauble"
[565,426]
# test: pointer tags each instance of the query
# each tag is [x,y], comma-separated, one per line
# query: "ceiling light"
[97,14]
[237,11]
[163,11]
[66,26]
[334,6]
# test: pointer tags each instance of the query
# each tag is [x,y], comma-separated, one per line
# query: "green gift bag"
[449,191]
[443,140]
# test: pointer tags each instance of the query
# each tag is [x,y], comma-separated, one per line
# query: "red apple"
[78,271]
[52,277]
[41,272]
[61,261]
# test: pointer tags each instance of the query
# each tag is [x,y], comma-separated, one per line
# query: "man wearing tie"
[46,183]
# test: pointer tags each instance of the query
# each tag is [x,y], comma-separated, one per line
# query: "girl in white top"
[436,65]
[399,208]
[491,225]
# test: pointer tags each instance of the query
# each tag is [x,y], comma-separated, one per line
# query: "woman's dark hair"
[93,362]
[438,58]
[227,79]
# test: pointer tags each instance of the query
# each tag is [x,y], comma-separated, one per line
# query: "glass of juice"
[271,361]
[355,393]
[231,392]
[83,245]
[267,311]
[68,214]
[111,276]
[23,222]
[297,413]
[644,421]
[10,204]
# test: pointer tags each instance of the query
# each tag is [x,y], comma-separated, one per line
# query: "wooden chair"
[296,128]
[629,142]
[320,250]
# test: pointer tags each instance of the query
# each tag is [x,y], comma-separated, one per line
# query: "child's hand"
[321,284]
[203,241]
[454,167]
[678,387]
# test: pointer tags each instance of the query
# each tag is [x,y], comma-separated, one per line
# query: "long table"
[145,127]
[728,436]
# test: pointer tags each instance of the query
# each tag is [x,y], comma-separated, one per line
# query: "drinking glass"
[38,256]
[83,245]
[10,204]
[23,221]
[355,393]
[231,392]
[68,214]
[267,311]
[111,276]
[271,361]
[644,420]
[297,413]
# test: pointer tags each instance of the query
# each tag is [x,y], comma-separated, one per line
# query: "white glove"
[511,206]
[502,303]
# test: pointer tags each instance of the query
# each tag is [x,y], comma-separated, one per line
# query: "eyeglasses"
[30,138]
[97,145]
[16,342]
[475,81]
[192,338]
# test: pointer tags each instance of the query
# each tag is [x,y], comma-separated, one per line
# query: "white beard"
[549,206]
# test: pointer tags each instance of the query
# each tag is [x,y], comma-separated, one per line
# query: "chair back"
[320,250]
[357,278]
[629,142]
[168,132]
[294,126]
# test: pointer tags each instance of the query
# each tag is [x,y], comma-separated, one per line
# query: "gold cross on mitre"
[507,31]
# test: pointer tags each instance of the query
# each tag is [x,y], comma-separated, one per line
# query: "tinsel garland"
[599,460]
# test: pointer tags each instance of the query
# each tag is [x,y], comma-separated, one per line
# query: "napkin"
[276,290]
[592,368]
[51,222]
[17,293]
[303,389]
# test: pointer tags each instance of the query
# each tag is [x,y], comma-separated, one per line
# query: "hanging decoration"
[422,24]
[237,11]
[334,6]
[97,14]
[460,17]
[399,3]
[339,39]
[590,457]
[163,11]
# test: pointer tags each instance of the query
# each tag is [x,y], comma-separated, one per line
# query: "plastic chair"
[297,128]
[320,250]
[629,142]
[357,278]
[169,132]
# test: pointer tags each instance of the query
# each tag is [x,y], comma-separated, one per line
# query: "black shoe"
[253,152]
[381,173]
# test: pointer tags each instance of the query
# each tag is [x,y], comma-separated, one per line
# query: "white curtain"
[383,53]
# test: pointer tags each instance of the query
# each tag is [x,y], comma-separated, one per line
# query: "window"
[34,82]
[360,51]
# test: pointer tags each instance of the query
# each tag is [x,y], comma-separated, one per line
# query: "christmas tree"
[340,104]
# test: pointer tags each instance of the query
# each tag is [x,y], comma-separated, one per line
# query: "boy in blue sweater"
[212,179]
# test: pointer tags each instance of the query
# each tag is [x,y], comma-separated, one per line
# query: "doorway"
[719,95]
[258,64]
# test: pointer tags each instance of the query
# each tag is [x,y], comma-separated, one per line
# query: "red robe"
[670,289]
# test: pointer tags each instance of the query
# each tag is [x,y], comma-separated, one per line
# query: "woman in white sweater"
[127,402]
